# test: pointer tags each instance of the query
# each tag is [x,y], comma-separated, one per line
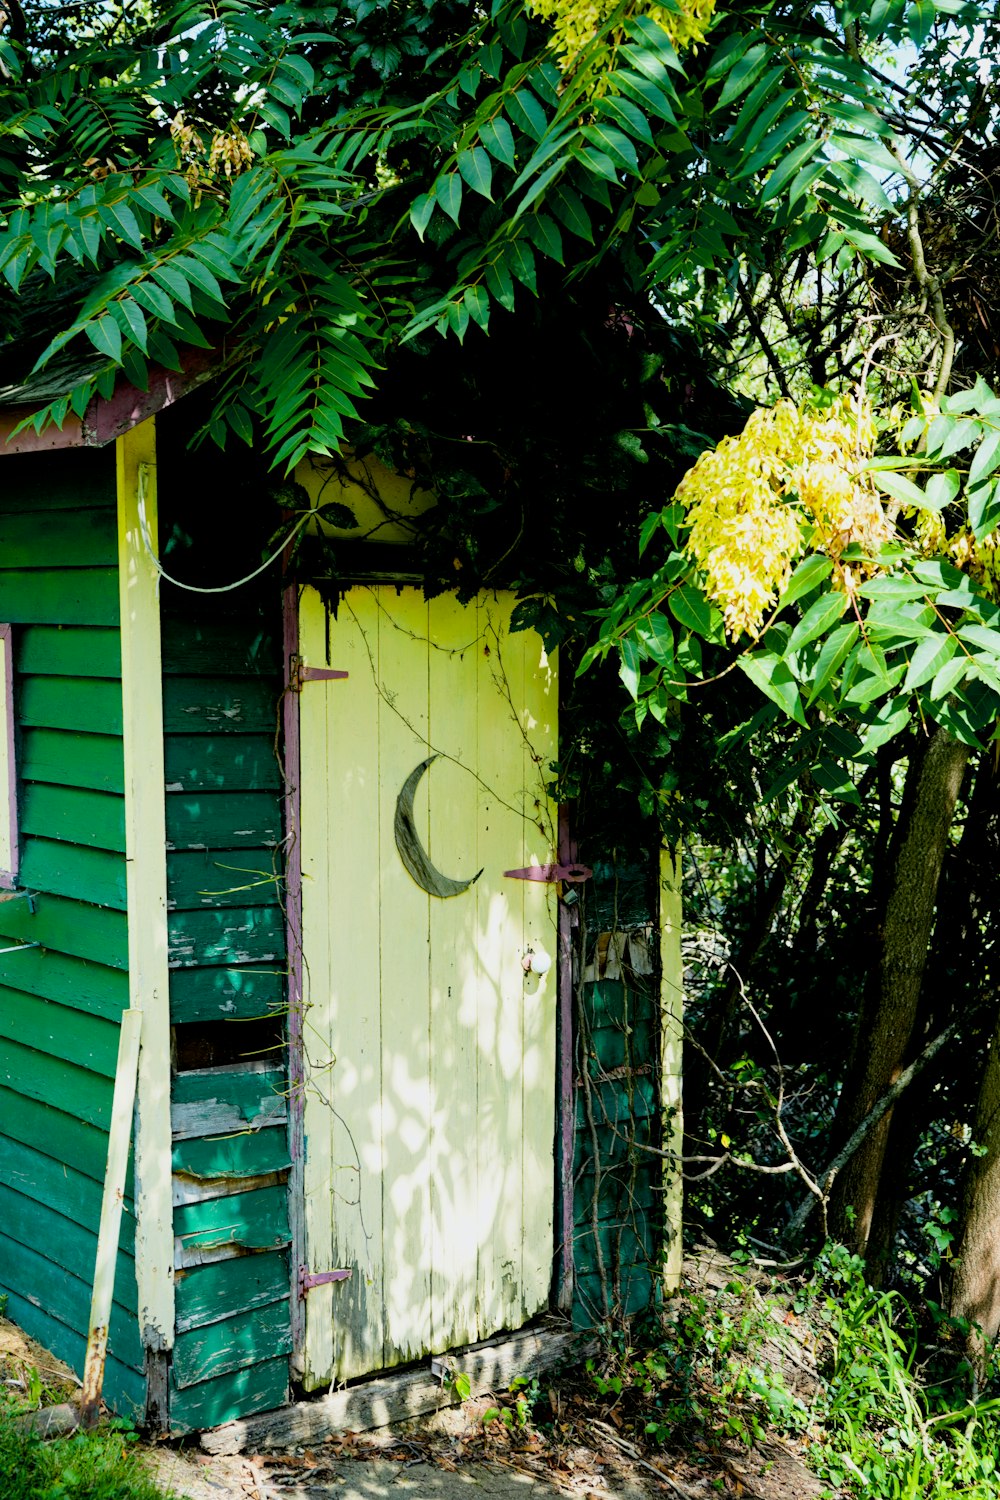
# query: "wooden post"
[671,1062]
[111,1216]
[146,885]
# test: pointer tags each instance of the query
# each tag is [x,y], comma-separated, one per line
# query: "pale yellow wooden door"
[429,1051]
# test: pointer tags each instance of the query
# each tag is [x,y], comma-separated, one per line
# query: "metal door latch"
[299,674]
[308,1279]
[573,874]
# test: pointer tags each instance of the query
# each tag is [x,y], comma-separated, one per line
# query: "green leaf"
[477,170]
[629,666]
[818,618]
[448,191]
[478,302]
[984,508]
[498,138]
[927,660]
[772,676]
[613,143]
[809,574]
[903,490]
[526,112]
[628,115]
[787,168]
[119,218]
[420,212]
[105,335]
[948,678]
[545,234]
[835,650]
[942,489]
[985,460]
[134,320]
[521,260]
[690,608]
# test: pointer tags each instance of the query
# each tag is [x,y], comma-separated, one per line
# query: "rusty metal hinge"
[299,674]
[308,1279]
[572,874]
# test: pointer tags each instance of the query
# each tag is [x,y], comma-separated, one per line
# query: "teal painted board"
[47,1026]
[73,981]
[55,1082]
[67,758]
[202,879]
[67,651]
[221,993]
[209,646]
[221,763]
[64,1138]
[93,705]
[124,1389]
[614,1105]
[257,1220]
[222,820]
[261,1387]
[65,1294]
[60,596]
[214,705]
[204,1294]
[622,1046]
[60,1188]
[242,935]
[248,1338]
[69,927]
[71,870]
[75,479]
[60,1242]
[73,539]
[241,1087]
[221,1158]
[96,819]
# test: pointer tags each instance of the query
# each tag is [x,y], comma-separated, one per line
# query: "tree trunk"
[889,1006]
[975,1288]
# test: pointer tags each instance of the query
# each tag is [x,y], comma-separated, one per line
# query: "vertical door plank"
[405,959]
[454,978]
[539,715]
[342,1029]
[502,979]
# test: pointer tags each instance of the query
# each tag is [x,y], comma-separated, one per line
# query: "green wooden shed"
[222,814]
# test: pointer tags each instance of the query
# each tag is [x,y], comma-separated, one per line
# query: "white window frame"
[9,842]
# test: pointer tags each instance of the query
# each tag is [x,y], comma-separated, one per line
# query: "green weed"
[99,1465]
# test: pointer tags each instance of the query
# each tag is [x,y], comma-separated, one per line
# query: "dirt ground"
[575,1451]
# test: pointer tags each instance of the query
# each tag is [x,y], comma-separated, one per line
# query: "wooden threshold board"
[490,1365]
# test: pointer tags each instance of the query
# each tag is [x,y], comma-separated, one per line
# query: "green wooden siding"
[222,691]
[60,1001]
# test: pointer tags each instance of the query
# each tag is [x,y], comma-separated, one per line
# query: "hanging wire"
[194,588]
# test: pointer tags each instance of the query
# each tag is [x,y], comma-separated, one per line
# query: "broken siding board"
[206,1294]
[73,981]
[210,1116]
[53,1081]
[256,1220]
[248,1154]
[243,762]
[248,1338]
[201,646]
[258,1388]
[70,703]
[60,596]
[64,1138]
[124,1389]
[226,993]
[71,927]
[59,1030]
[208,705]
[238,935]
[59,1187]
[199,879]
[222,820]
[57,651]
[67,758]
[81,539]
[66,869]
[96,819]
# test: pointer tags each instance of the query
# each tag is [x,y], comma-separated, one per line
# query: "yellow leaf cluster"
[792,481]
[576,23]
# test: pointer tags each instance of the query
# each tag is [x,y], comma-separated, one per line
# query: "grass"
[98,1465]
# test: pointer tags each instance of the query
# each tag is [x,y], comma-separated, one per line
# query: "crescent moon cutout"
[411,850]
